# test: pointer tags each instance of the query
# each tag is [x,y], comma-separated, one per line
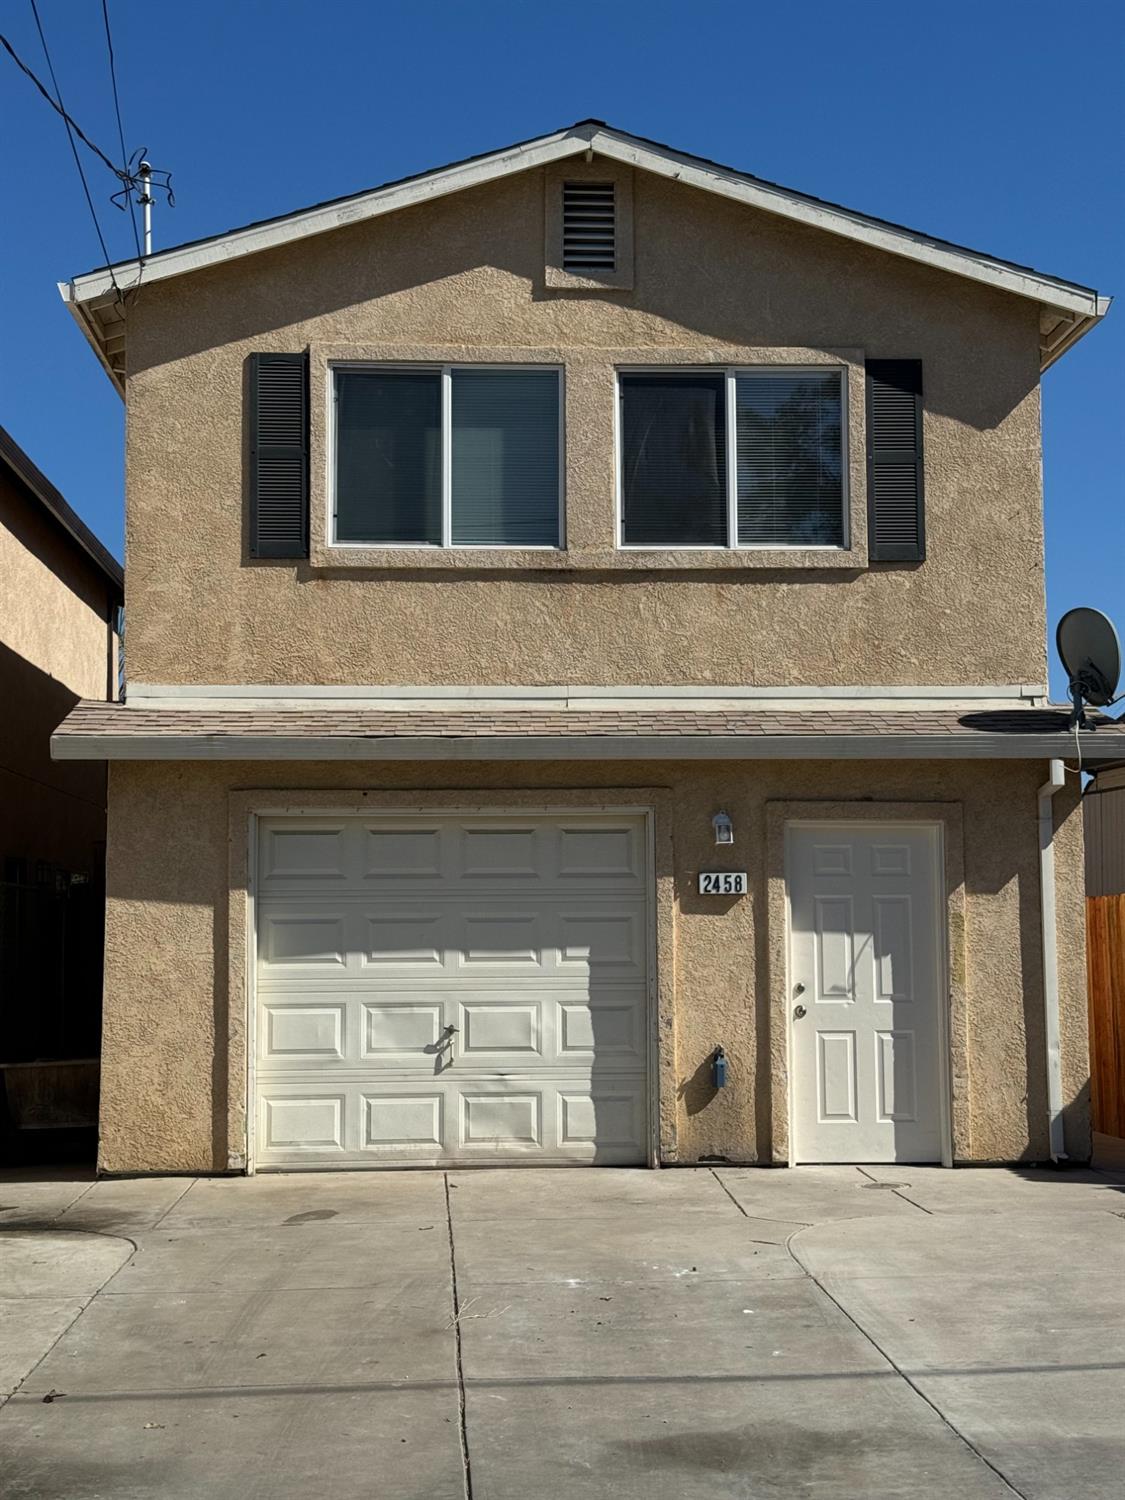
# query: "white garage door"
[449,989]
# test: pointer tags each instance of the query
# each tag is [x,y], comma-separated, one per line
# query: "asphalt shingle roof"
[523,721]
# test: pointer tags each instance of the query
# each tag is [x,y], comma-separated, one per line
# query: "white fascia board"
[911,244]
[196,696]
[663,161]
[239,242]
[968,746]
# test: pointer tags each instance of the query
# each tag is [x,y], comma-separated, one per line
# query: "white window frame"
[732,544]
[446,372]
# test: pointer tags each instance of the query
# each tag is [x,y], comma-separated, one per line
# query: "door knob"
[799,1011]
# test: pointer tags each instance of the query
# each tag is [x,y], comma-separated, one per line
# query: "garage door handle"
[450,1031]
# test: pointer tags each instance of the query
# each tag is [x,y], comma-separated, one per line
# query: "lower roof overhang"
[97,731]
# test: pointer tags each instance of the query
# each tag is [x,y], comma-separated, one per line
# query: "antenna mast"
[144,198]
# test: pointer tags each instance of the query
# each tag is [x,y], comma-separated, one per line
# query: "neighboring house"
[501,539]
[60,597]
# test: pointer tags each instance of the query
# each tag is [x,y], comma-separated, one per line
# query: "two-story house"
[60,598]
[586,611]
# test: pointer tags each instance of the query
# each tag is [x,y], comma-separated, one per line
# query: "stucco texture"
[57,612]
[56,646]
[465,277]
[174,1067]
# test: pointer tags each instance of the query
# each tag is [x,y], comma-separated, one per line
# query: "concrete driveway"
[674,1335]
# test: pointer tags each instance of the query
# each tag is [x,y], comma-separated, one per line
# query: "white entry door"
[865,992]
[451,989]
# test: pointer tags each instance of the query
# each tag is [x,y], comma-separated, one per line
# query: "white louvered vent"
[589,227]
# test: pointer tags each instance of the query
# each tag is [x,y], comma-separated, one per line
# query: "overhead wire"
[74,148]
[120,127]
[73,124]
[127,174]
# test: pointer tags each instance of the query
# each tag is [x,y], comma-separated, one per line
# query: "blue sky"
[996,124]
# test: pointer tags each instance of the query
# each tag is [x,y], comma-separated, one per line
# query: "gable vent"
[589,226]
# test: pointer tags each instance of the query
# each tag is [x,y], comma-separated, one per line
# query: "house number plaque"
[723,883]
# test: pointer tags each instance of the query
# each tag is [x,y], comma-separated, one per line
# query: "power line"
[73,124]
[74,148]
[120,127]
[128,174]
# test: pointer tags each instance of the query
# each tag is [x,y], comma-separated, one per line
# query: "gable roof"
[1068,310]
[42,490]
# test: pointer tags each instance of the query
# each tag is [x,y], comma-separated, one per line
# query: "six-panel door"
[865,991]
[441,989]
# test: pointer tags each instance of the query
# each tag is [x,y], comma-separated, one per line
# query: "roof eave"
[971,745]
[440,183]
[1076,328]
[1081,305]
[84,314]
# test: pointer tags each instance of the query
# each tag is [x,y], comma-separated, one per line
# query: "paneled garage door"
[449,989]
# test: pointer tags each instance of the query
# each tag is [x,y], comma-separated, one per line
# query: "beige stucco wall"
[55,647]
[55,611]
[715,282]
[173,1084]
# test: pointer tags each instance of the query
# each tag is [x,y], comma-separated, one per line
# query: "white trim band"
[449,698]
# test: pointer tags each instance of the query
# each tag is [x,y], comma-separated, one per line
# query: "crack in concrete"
[728,1192]
[899,1371]
[455,1297]
[900,1193]
[897,1192]
[176,1202]
[94,1233]
[765,1218]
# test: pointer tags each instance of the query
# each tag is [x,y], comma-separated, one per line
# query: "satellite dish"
[1091,653]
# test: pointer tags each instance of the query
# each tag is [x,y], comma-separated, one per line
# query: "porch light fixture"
[724,828]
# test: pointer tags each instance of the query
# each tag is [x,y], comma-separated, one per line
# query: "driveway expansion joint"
[455,1299]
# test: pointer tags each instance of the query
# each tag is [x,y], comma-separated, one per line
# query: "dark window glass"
[673,460]
[388,456]
[506,458]
[790,459]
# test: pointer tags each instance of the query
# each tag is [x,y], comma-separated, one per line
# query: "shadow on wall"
[729,272]
[698,1091]
[49,810]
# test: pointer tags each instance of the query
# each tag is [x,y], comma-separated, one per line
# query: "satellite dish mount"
[1091,653]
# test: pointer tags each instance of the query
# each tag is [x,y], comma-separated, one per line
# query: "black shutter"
[279,455]
[896,521]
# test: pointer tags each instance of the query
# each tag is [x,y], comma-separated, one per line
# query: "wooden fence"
[1105,958]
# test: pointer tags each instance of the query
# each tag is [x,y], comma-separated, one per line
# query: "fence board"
[1105,949]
